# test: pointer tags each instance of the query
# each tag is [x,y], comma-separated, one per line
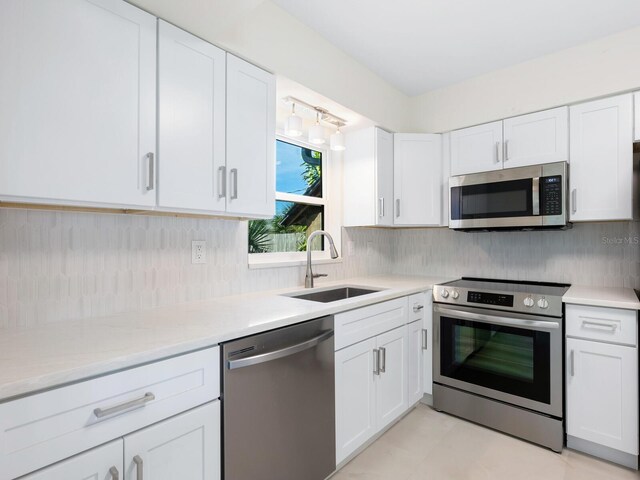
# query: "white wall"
[603,67]
[268,36]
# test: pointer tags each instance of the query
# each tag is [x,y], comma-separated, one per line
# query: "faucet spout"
[308,279]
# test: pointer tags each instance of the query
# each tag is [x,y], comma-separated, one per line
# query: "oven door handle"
[520,323]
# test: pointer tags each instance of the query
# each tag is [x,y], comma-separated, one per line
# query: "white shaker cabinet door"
[185,447]
[602,394]
[77,103]
[417,179]
[391,383]
[100,463]
[477,149]
[251,139]
[414,362]
[541,137]
[355,397]
[427,345]
[601,172]
[191,122]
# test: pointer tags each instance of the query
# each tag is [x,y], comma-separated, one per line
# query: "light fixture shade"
[293,126]
[316,134]
[337,141]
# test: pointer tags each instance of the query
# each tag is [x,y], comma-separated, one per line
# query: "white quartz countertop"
[603,297]
[38,358]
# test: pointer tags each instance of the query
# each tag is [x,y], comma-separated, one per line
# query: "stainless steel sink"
[333,294]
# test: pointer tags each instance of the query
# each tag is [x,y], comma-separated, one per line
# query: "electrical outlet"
[369,248]
[198,251]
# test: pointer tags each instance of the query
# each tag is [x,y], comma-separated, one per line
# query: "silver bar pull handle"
[417,308]
[506,150]
[535,196]
[138,402]
[383,359]
[282,352]
[115,475]
[376,361]
[151,177]
[425,339]
[599,325]
[233,175]
[574,198]
[381,211]
[397,207]
[139,467]
[222,182]
[496,155]
[572,363]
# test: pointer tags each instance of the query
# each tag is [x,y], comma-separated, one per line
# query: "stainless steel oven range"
[498,357]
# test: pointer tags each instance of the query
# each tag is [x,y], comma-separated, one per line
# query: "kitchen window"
[302,207]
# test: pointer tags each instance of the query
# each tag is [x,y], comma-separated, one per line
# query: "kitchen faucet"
[308,279]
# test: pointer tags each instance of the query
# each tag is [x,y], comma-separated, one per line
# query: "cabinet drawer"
[417,306]
[357,325]
[605,324]
[41,429]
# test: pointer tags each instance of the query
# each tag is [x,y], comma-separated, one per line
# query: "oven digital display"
[490,299]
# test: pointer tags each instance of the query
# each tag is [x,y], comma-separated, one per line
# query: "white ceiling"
[420,45]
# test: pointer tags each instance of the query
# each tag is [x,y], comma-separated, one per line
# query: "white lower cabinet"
[427,345]
[355,397]
[602,394]
[391,381]
[602,383]
[101,463]
[186,447]
[371,388]
[415,365]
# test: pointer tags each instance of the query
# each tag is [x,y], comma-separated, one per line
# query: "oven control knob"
[543,303]
[528,302]
[445,293]
[455,294]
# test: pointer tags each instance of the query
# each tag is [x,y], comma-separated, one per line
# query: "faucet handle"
[316,275]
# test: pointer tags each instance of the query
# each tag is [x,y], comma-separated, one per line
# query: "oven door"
[510,198]
[513,358]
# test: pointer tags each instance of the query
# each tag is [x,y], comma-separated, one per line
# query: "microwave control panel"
[551,195]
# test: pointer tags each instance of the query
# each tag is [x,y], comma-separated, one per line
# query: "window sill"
[257,263]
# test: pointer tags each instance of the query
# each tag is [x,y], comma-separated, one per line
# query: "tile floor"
[428,445]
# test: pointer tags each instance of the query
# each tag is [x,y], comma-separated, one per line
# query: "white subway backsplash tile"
[56,266]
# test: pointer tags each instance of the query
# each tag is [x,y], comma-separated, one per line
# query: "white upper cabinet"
[477,149]
[417,179]
[541,137]
[251,139]
[191,122]
[78,97]
[601,176]
[368,178]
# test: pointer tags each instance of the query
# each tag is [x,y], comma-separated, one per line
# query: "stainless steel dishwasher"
[279,404]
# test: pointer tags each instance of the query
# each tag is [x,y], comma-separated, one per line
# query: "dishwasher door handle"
[282,352]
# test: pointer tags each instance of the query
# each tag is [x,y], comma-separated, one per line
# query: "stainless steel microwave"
[514,198]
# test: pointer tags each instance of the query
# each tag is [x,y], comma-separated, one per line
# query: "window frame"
[332,219]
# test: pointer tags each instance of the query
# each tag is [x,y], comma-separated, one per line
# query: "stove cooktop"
[539,298]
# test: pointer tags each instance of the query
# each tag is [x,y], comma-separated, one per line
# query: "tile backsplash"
[597,254]
[66,265]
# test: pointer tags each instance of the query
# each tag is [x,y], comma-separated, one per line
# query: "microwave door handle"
[509,322]
[535,194]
